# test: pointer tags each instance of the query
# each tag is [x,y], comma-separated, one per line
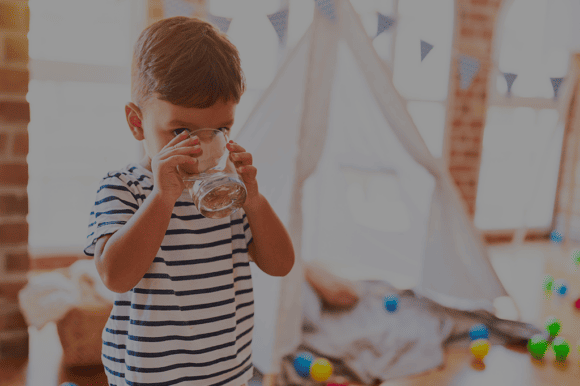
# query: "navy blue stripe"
[184,203]
[113,198]
[122,303]
[195,246]
[112,223]
[244,264]
[118,317]
[114,359]
[238,278]
[111,344]
[185,365]
[182,308]
[245,291]
[93,223]
[183,293]
[246,226]
[137,197]
[200,377]
[236,221]
[188,217]
[197,231]
[241,320]
[192,261]
[240,236]
[115,211]
[181,322]
[245,332]
[175,337]
[240,250]
[117,332]
[251,239]
[188,277]
[120,375]
[242,305]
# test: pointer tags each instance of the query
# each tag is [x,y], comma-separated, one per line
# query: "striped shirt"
[189,320]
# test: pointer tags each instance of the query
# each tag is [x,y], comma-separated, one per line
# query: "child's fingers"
[234,147]
[181,140]
[241,158]
[248,173]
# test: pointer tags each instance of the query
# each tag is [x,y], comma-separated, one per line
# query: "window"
[80,53]
[522,140]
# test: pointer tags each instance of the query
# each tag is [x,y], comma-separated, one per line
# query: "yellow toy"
[479,348]
[320,370]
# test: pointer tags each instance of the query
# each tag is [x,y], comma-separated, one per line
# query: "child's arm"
[123,258]
[272,248]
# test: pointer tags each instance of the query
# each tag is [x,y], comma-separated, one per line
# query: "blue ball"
[391,303]
[556,237]
[561,287]
[302,364]
[68,384]
[478,331]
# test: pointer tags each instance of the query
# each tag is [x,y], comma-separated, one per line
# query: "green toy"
[548,282]
[576,257]
[561,348]
[537,346]
[553,326]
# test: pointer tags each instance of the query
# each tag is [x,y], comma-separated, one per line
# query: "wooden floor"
[520,270]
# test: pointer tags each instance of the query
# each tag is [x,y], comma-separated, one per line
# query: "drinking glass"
[213,183]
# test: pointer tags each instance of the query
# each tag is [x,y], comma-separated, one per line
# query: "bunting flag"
[385,22]
[509,78]
[279,21]
[223,23]
[468,68]
[173,8]
[327,7]
[556,82]
[425,49]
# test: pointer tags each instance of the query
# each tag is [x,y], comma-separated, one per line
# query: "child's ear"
[133,114]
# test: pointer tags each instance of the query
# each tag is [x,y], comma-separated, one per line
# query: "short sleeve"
[114,205]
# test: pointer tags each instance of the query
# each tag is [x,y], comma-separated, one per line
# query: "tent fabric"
[346,170]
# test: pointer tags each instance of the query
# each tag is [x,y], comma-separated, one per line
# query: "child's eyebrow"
[177,122]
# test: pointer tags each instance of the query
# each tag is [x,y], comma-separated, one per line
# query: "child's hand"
[243,162]
[178,151]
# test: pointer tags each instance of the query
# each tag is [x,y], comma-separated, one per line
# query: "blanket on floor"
[368,345]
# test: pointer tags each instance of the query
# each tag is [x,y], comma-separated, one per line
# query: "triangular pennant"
[385,22]
[279,21]
[173,8]
[468,68]
[327,7]
[425,49]
[556,82]
[223,23]
[509,78]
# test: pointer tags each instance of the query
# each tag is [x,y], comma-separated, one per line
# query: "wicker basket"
[80,334]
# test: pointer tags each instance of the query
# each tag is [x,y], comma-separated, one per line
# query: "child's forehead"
[167,113]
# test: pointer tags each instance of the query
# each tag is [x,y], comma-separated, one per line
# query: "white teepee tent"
[330,126]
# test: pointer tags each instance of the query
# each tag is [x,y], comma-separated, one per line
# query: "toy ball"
[556,237]
[576,257]
[537,346]
[478,331]
[548,282]
[553,326]
[479,348]
[302,364]
[320,370]
[561,348]
[391,303]
[68,384]
[577,304]
[560,287]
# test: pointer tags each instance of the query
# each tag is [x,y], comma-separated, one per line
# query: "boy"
[183,313]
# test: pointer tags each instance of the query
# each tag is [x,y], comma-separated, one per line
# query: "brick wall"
[474,31]
[14,118]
